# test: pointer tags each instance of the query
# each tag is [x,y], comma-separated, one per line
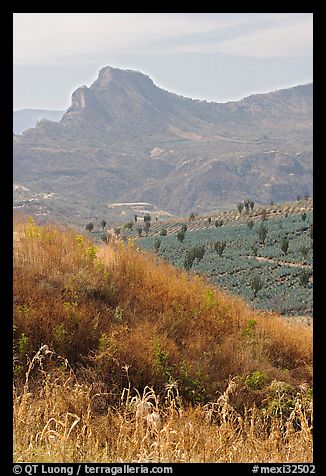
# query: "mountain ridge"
[125,139]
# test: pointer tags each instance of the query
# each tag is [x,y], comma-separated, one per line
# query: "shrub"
[163,232]
[240,207]
[129,225]
[104,237]
[256,380]
[139,231]
[89,227]
[219,247]
[147,218]
[103,224]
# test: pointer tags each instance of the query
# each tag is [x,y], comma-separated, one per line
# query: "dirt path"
[284,263]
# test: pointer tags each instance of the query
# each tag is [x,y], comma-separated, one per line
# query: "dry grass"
[216,380]
[63,420]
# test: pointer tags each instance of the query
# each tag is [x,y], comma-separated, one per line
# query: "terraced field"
[287,280]
[286,276]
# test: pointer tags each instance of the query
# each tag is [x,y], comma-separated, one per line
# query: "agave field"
[266,261]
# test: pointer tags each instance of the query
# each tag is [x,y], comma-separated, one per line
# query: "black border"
[6,258]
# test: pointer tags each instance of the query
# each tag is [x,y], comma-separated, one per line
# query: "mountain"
[26,118]
[125,140]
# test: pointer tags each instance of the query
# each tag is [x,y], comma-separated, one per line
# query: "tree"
[197,252]
[209,219]
[304,250]
[251,204]
[117,231]
[303,216]
[157,244]
[103,224]
[184,227]
[163,232]
[129,225]
[147,218]
[89,227]
[147,227]
[304,278]
[219,222]
[189,259]
[262,233]
[135,218]
[285,245]
[264,214]
[192,217]
[250,224]
[240,207]
[246,203]
[219,247]
[139,231]
[181,236]
[256,284]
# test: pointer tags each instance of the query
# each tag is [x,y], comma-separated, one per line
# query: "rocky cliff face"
[124,139]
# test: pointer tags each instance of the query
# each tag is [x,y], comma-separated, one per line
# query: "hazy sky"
[213,56]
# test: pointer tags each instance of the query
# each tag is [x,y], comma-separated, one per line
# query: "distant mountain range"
[125,140]
[26,118]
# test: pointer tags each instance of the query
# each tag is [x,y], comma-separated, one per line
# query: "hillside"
[124,139]
[24,119]
[286,274]
[132,359]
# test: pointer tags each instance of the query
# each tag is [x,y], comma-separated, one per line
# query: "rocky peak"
[108,76]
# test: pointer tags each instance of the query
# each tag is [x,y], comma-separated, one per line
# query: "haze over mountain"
[124,139]
[26,118]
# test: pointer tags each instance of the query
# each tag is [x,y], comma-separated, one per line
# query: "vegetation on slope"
[92,325]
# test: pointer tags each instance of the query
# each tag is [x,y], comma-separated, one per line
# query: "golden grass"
[122,319]
[63,420]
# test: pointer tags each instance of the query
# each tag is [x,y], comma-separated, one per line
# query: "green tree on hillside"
[285,245]
[181,236]
[256,284]
[262,233]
